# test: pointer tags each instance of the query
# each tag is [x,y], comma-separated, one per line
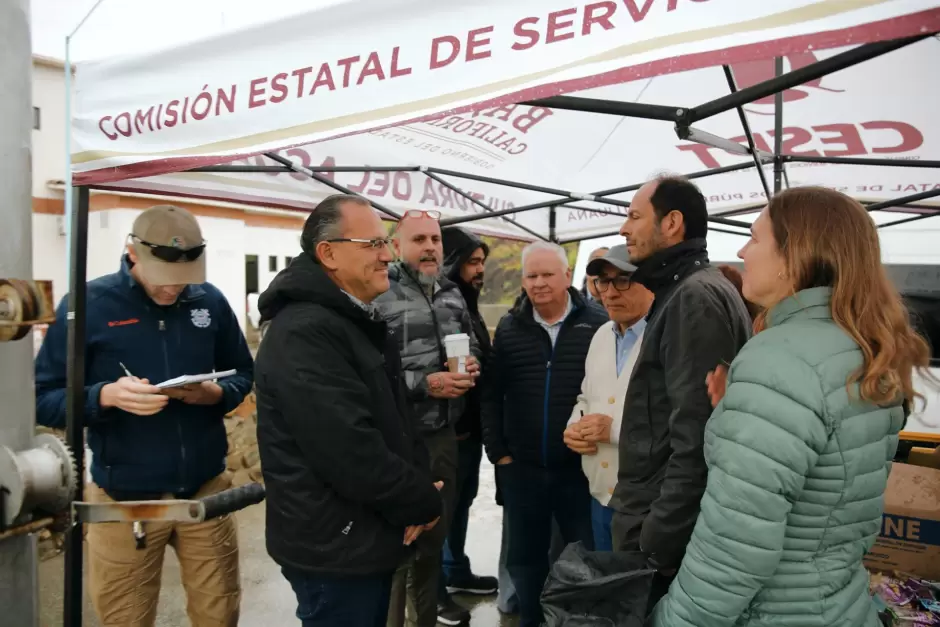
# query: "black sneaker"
[473,584]
[450,613]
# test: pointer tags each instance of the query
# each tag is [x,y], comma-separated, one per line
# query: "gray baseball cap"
[617,256]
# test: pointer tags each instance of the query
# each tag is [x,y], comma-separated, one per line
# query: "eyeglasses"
[620,282]
[172,254]
[374,244]
[433,214]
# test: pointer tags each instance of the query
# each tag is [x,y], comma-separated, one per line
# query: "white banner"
[355,66]
[882,108]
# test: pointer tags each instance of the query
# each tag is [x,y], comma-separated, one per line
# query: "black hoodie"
[344,468]
[459,244]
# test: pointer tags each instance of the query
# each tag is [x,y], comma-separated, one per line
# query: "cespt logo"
[751,73]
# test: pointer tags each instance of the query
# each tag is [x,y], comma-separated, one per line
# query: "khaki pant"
[124,582]
[415,585]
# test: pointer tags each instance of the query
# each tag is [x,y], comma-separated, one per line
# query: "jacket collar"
[809,304]
[669,266]
[190,292]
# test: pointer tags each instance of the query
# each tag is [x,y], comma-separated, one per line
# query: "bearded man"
[421,308]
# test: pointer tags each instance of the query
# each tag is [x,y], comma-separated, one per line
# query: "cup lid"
[453,337]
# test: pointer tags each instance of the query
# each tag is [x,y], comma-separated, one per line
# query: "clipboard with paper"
[190,379]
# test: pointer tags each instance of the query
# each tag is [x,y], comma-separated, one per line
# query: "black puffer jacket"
[344,467]
[532,387]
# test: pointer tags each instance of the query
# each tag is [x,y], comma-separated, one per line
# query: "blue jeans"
[532,497]
[601,516]
[455,564]
[324,601]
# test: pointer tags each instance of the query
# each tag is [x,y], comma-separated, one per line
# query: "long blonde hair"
[828,239]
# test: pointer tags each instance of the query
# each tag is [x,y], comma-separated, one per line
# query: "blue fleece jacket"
[182,446]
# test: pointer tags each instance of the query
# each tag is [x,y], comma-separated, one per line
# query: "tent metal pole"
[329,183]
[608,107]
[692,175]
[552,218]
[475,201]
[891,163]
[75,404]
[922,216]
[796,77]
[778,129]
[732,85]
[500,212]
[532,188]
[903,200]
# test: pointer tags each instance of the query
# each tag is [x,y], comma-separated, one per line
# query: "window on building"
[37,118]
[287,261]
[272,264]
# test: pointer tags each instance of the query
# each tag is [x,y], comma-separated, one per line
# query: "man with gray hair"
[534,377]
[423,307]
[348,484]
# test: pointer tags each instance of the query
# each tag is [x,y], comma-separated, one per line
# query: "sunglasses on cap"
[421,213]
[172,254]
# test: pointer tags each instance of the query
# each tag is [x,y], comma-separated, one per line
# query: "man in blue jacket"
[154,320]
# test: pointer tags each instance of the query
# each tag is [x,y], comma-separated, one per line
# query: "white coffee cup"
[457,347]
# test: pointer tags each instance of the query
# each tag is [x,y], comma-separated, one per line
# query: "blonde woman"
[799,447]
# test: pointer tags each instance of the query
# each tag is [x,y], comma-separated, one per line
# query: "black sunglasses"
[172,254]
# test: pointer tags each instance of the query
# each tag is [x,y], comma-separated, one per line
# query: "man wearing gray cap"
[594,428]
[153,320]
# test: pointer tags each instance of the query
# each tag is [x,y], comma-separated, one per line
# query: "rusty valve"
[24,304]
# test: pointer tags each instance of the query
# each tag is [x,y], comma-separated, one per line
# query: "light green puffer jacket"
[796,479]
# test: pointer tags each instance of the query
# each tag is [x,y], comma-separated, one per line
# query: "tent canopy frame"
[682,117]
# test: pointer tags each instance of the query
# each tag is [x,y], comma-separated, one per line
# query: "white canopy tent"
[429,110]
[416,103]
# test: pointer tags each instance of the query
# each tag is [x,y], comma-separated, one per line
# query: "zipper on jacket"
[179,424]
[548,382]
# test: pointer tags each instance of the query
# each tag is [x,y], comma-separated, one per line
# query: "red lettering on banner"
[556,23]
[380,184]
[836,140]
[451,41]
[475,41]
[446,51]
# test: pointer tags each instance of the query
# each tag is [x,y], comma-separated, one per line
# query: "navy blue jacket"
[532,387]
[181,447]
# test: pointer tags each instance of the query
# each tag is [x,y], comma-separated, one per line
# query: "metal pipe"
[922,216]
[903,200]
[75,400]
[329,183]
[500,212]
[778,129]
[797,77]
[891,163]
[608,107]
[487,209]
[18,559]
[565,196]
[747,131]
[552,217]
[692,175]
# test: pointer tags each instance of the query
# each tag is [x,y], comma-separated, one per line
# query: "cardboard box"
[910,532]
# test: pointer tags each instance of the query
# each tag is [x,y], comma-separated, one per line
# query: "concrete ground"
[267,598]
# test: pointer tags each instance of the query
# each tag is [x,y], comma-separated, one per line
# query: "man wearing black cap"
[153,320]
[594,427]
[464,259]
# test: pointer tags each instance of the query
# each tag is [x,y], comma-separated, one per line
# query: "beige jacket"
[603,392]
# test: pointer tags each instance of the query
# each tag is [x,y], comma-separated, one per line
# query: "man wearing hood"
[423,307]
[464,259]
[348,484]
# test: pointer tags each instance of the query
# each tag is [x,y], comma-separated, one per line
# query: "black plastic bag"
[597,589]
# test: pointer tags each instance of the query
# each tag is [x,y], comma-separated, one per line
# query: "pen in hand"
[126,371]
